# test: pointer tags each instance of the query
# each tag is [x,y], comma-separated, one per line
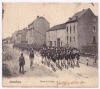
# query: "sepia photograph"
[50,44]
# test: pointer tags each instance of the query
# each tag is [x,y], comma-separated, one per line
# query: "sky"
[18,15]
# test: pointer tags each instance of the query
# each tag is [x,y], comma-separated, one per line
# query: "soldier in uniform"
[48,57]
[78,57]
[42,55]
[66,58]
[70,60]
[45,55]
[57,57]
[61,57]
[53,60]
[31,57]
[73,57]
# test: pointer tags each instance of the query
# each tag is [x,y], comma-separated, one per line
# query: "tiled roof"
[76,16]
[38,17]
[58,27]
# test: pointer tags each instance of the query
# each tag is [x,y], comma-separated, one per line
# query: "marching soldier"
[53,60]
[48,56]
[78,57]
[66,58]
[42,54]
[61,58]
[72,58]
[58,56]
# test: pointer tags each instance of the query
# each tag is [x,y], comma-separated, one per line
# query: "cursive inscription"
[66,83]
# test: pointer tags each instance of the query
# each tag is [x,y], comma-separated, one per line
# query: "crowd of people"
[60,57]
[54,57]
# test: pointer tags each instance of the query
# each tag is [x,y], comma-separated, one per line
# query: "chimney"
[83,9]
[37,16]
[70,18]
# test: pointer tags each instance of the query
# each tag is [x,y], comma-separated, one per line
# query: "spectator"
[21,63]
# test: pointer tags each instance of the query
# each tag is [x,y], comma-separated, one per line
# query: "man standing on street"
[21,63]
[31,56]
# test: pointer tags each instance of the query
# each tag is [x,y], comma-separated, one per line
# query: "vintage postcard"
[49,44]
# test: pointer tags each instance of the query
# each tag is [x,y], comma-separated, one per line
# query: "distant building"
[7,40]
[81,29]
[36,33]
[23,35]
[18,35]
[14,37]
[29,36]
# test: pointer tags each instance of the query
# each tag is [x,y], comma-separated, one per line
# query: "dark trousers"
[21,67]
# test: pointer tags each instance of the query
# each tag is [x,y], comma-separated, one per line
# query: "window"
[74,29]
[74,39]
[55,43]
[67,39]
[50,43]
[94,29]
[67,29]
[58,42]
[61,43]
[70,29]
[70,39]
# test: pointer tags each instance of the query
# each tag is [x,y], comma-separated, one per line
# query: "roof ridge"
[57,27]
[78,15]
[37,19]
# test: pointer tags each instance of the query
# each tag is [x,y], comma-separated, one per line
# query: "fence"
[90,49]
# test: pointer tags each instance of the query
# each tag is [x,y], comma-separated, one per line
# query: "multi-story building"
[29,36]
[14,37]
[18,36]
[23,35]
[81,29]
[36,33]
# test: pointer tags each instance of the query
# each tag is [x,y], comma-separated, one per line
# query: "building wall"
[18,39]
[85,29]
[14,38]
[40,26]
[53,35]
[71,34]
[64,35]
[23,36]
[29,37]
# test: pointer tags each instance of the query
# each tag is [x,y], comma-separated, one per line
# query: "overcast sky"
[21,14]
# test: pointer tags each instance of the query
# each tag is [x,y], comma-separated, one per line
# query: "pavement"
[42,72]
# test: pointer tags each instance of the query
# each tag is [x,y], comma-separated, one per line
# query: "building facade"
[18,36]
[29,36]
[23,35]
[14,37]
[55,36]
[36,33]
[81,29]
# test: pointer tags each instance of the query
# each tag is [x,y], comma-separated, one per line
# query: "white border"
[49,0]
[41,1]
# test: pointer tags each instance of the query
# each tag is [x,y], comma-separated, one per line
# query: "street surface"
[87,75]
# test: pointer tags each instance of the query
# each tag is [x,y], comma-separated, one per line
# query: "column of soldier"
[60,57]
